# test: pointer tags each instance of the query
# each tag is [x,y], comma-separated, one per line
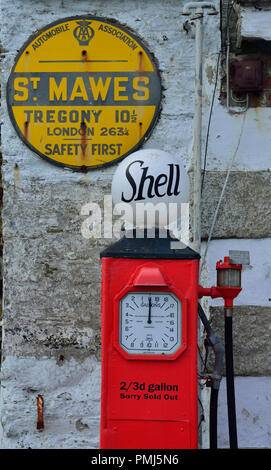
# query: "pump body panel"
[149,401]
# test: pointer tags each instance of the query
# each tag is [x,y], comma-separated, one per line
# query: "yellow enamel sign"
[84,92]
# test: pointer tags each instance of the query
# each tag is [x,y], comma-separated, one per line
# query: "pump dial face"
[150,323]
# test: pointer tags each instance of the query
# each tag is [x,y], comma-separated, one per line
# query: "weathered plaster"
[255,23]
[252,411]
[245,208]
[251,338]
[71,394]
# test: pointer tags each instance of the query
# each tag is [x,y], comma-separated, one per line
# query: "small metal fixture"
[40,403]
[247,75]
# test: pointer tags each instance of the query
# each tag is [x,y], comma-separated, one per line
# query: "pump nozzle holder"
[228,275]
[228,282]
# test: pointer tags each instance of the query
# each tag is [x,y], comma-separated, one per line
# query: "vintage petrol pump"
[149,340]
[150,292]
[149,317]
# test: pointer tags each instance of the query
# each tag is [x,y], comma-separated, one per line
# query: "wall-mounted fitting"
[40,404]
[246,75]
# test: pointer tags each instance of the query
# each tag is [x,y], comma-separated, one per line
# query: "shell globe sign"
[84,92]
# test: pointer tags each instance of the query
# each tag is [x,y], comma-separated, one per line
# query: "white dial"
[150,323]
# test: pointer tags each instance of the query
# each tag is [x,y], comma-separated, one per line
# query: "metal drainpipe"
[198,8]
[196,165]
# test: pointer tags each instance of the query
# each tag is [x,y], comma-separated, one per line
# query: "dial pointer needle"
[149,315]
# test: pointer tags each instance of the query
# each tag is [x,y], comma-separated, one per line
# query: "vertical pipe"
[230,379]
[213,418]
[197,133]
[228,65]
[196,166]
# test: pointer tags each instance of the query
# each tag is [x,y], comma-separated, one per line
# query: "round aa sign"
[83,92]
[153,184]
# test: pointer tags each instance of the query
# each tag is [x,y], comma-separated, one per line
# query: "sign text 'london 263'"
[83,92]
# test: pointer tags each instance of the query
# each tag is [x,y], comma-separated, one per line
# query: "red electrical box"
[247,75]
[149,396]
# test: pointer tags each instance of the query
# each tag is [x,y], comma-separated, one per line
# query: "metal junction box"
[247,75]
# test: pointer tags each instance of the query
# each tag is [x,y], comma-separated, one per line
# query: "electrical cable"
[222,192]
[229,11]
[209,121]
[202,417]
[215,377]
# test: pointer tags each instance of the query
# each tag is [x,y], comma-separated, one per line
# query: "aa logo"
[83,33]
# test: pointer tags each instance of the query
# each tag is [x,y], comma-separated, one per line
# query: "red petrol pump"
[150,308]
[149,342]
